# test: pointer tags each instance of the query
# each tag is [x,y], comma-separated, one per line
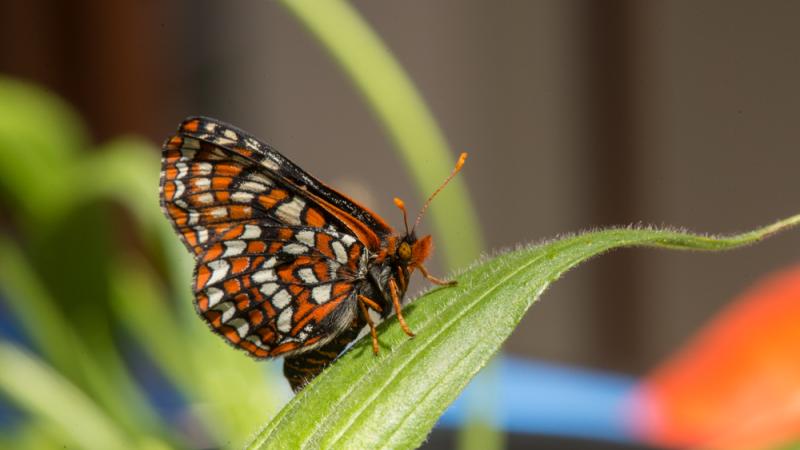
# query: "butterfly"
[284,265]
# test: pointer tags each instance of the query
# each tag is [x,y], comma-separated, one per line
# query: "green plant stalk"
[399,107]
[393,400]
[43,392]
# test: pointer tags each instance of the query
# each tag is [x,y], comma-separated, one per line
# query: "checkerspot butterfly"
[285,265]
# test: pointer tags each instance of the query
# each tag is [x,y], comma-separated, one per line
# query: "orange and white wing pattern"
[277,252]
[279,290]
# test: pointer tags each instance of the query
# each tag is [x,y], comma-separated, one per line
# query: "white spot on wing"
[219,269]
[295,249]
[201,183]
[338,249]
[202,234]
[214,296]
[306,237]
[233,248]
[203,168]
[220,140]
[179,189]
[227,309]
[321,294]
[289,212]
[252,144]
[251,232]
[241,197]
[270,263]
[281,299]
[269,164]
[219,212]
[260,178]
[253,186]
[230,134]
[241,325]
[182,169]
[348,240]
[269,288]
[307,275]
[264,275]
[285,320]
[205,198]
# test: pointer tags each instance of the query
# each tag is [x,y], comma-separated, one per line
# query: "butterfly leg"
[363,302]
[433,279]
[397,308]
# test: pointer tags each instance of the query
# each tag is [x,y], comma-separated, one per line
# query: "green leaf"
[47,395]
[393,400]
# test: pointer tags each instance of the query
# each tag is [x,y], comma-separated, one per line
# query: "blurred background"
[576,114]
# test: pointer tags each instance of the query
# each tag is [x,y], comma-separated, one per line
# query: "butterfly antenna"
[459,165]
[400,204]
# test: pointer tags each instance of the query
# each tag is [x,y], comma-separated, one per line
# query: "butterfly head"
[412,252]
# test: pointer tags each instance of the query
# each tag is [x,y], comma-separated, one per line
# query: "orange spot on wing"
[275,247]
[191,237]
[243,151]
[177,214]
[213,252]
[283,348]
[314,218]
[255,317]
[321,271]
[222,196]
[317,314]
[191,126]
[285,234]
[171,173]
[253,349]
[274,196]
[239,212]
[266,334]
[256,247]
[174,143]
[231,286]
[203,274]
[230,334]
[169,190]
[242,301]
[221,183]
[341,288]
[286,274]
[233,233]
[240,264]
[202,302]
[324,244]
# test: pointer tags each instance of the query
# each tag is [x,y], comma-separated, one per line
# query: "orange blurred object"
[736,385]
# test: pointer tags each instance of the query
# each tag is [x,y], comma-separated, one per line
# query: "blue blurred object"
[523,396]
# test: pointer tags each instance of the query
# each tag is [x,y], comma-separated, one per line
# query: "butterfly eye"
[404,251]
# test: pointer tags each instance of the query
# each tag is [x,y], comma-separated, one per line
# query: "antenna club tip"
[399,203]
[461,159]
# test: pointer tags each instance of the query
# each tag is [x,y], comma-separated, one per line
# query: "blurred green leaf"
[393,400]
[44,393]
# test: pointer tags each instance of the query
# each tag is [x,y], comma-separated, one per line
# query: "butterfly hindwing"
[278,290]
